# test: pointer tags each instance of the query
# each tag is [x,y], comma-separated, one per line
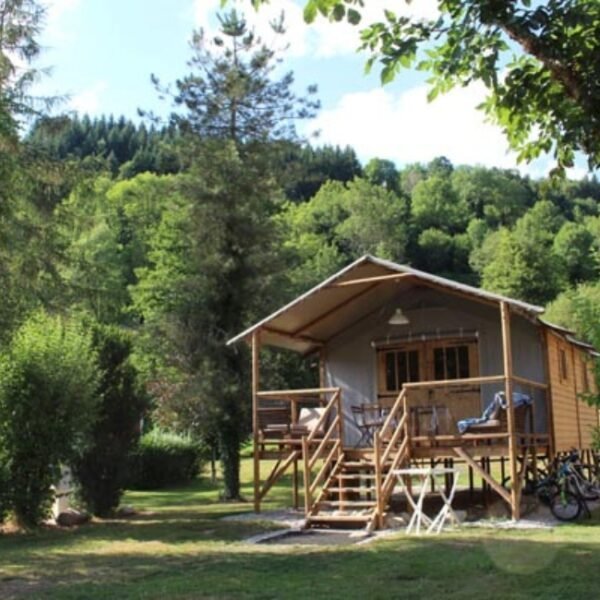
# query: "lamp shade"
[398,318]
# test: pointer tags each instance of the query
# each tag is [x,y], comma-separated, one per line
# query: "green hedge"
[164,458]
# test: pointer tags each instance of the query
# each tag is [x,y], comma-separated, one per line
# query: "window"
[585,377]
[427,360]
[401,366]
[562,364]
[451,362]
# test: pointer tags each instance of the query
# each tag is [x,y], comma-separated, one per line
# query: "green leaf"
[387,74]
[353,16]
[432,94]
[338,12]
[369,65]
[310,12]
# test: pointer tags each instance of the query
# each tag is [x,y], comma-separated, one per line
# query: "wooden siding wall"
[588,415]
[572,417]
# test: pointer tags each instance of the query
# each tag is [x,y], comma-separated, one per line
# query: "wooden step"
[351,489]
[339,518]
[355,475]
[364,465]
[348,504]
[357,465]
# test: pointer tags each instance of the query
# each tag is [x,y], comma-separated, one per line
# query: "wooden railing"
[455,408]
[285,443]
[391,446]
[328,446]
[392,443]
[316,396]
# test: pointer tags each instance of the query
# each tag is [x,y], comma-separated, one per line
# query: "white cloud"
[405,127]
[321,38]
[55,30]
[88,101]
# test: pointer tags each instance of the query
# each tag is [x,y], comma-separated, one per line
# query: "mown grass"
[179,547]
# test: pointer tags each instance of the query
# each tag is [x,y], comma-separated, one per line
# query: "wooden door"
[432,361]
[396,366]
[455,359]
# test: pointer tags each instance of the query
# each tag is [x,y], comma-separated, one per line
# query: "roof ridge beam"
[374,279]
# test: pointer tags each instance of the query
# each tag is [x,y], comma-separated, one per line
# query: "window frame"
[426,352]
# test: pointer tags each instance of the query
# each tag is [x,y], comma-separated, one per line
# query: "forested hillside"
[185,232]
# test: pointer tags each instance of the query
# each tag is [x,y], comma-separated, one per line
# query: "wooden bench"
[274,421]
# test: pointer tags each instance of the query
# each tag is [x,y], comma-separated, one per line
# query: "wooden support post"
[255,388]
[576,392]
[484,486]
[510,410]
[464,455]
[405,411]
[307,494]
[295,484]
[471,483]
[378,481]
[548,395]
[322,368]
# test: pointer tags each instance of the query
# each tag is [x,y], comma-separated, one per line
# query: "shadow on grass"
[449,567]
[179,547]
[177,515]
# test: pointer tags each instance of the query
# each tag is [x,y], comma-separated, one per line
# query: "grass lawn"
[179,548]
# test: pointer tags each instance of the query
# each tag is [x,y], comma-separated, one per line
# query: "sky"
[101,54]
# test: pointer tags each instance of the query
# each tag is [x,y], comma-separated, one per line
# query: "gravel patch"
[293,519]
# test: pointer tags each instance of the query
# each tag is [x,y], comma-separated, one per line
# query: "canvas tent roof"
[331,307]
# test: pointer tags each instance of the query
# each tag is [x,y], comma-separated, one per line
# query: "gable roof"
[313,318]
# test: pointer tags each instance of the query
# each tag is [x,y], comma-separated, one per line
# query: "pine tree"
[211,279]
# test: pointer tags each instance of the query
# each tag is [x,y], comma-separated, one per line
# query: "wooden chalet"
[423,352]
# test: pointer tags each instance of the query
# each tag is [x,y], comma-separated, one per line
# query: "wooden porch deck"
[349,486]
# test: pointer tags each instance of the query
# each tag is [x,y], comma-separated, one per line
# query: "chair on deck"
[274,426]
[368,418]
[494,418]
[274,422]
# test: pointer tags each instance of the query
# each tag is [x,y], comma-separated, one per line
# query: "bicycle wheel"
[589,490]
[565,506]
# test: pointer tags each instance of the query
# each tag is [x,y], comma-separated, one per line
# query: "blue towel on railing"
[499,402]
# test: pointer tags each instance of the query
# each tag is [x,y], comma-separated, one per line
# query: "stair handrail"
[396,407]
[383,486]
[333,402]
[310,439]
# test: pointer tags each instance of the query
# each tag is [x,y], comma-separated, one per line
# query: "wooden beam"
[450,382]
[335,308]
[291,336]
[278,470]
[302,392]
[510,409]
[455,292]
[255,433]
[530,382]
[377,278]
[462,453]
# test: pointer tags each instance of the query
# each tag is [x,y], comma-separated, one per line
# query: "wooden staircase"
[355,492]
[348,500]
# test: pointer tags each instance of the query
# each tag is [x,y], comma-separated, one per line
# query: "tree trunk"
[229,442]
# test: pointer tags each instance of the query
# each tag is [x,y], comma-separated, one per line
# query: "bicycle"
[590,490]
[554,492]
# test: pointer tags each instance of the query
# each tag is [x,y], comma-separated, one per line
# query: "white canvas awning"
[309,321]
